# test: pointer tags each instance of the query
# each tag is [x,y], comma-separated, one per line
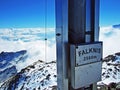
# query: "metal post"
[77,21]
[83,24]
[62,43]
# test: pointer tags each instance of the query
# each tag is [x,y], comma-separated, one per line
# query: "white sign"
[86,74]
[86,64]
[88,53]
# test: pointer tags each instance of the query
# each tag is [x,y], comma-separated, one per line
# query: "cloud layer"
[32,40]
[12,40]
[111,40]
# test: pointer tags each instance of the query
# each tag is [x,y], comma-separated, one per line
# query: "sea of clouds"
[33,40]
[111,40]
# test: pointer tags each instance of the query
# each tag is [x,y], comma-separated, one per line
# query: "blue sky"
[109,12]
[31,13]
[26,13]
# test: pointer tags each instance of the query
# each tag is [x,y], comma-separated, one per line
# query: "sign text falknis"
[89,53]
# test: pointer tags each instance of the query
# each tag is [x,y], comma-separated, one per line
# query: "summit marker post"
[79,51]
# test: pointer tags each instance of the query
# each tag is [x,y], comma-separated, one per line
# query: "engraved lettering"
[88,51]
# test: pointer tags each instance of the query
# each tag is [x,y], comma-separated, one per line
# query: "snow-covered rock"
[38,76]
[111,69]
[9,62]
[42,76]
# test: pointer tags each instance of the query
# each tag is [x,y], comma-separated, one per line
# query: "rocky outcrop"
[8,62]
[38,76]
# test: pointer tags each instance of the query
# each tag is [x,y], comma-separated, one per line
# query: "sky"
[31,13]
[26,13]
[109,12]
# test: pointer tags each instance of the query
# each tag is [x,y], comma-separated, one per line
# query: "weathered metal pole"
[62,43]
[77,22]
[83,24]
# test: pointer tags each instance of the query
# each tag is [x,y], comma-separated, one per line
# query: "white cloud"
[35,45]
[111,40]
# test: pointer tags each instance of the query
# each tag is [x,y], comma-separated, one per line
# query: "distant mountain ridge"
[8,63]
[116,26]
[7,57]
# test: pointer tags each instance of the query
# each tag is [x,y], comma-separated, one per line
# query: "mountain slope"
[38,76]
[111,70]
[9,62]
[42,76]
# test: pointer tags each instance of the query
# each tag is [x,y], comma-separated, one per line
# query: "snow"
[110,70]
[38,76]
